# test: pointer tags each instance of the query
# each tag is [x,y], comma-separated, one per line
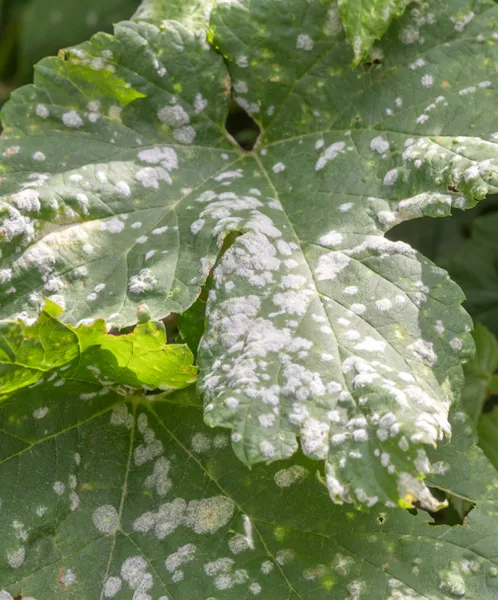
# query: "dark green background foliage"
[178,186]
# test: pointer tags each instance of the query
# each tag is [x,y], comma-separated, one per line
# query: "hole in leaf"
[456,511]
[242,126]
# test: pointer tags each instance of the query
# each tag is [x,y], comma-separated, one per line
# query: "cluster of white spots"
[164,160]
[134,573]
[178,119]
[287,477]
[178,559]
[204,516]
[200,103]
[462,20]
[224,575]
[304,42]
[121,416]
[106,519]
[330,153]
[159,479]
[142,283]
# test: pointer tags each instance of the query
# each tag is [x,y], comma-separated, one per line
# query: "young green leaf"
[138,499]
[367,20]
[120,185]
[55,352]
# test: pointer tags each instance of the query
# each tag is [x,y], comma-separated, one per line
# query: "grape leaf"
[128,498]
[120,184]
[51,350]
[367,20]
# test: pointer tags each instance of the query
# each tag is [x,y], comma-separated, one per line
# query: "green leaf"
[367,20]
[479,373]
[138,499]
[117,171]
[473,265]
[51,350]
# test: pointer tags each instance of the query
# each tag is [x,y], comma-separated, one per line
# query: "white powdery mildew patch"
[304,42]
[329,154]
[287,477]
[72,119]
[16,558]
[106,519]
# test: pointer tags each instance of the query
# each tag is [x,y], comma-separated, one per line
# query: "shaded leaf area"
[51,351]
[367,21]
[132,498]
[480,373]
[120,185]
[488,435]
[33,29]
[474,265]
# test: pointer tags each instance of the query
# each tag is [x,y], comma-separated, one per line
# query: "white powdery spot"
[72,119]
[209,515]
[369,344]
[384,304]
[174,116]
[112,586]
[267,449]
[330,265]
[59,488]
[331,239]
[287,477]
[42,111]
[427,81]
[314,438]
[40,413]
[391,177]
[379,144]
[330,154]
[106,519]
[143,282]
[358,309]
[278,167]
[200,103]
[5,275]
[424,351]
[16,558]
[304,42]
[68,578]
[182,556]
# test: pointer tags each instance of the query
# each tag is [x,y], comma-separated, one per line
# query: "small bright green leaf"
[56,351]
[138,500]
[479,373]
[120,185]
[367,20]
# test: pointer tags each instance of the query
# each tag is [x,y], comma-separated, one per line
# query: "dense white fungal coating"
[106,519]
